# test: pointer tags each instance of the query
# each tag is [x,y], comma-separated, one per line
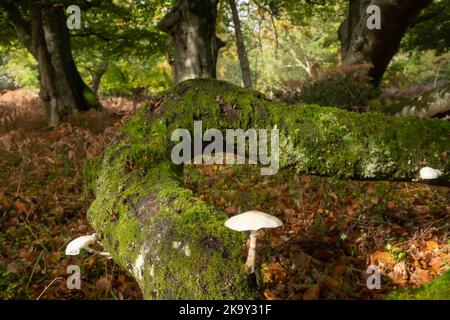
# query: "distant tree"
[191,25]
[376,47]
[363,46]
[117,32]
[240,45]
[41,28]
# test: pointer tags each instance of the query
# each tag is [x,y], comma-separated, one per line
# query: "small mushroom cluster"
[83,242]
[252,221]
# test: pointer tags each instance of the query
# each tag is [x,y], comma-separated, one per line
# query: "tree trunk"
[191,25]
[47,74]
[360,45]
[61,86]
[242,53]
[97,77]
[177,245]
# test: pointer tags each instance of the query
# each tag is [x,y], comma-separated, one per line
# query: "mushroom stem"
[100,253]
[250,263]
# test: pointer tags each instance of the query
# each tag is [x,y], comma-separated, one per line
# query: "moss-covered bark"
[176,245]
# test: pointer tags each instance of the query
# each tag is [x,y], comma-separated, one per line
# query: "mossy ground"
[439,289]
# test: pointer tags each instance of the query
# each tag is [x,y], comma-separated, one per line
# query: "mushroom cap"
[428,173]
[74,246]
[252,221]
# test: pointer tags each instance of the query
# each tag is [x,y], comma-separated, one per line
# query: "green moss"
[374,105]
[438,289]
[318,140]
[338,91]
[194,252]
[141,209]
[150,225]
[90,173]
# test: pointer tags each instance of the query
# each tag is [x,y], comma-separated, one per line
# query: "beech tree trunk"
[46,36]
[175,244]
[191,25]
[360,45]
[242,52]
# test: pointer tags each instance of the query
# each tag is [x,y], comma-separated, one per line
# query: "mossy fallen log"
[176,245]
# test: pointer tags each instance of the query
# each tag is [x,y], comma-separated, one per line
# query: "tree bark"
[47,73]
[240,45]
[47,38]
[361,46]
[191,25]
[177,245]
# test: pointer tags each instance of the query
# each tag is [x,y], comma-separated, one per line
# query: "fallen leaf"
[400,270]
[4,201]
[381,256]
[431,245]
[339,270]
[102,282]
[230,210]
[435,265]
[24,254]
[391,205]
[313,293]
[269,295]
[297,296]
[422,276]
[332,284]
[19,206]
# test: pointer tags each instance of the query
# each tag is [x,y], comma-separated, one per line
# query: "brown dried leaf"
[313,293]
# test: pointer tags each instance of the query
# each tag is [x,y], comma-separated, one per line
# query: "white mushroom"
[252,221]
[428,173]
[83,242]
[74,247]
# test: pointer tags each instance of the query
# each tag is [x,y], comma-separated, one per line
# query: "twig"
[46,287]
[34,267]
[16,196]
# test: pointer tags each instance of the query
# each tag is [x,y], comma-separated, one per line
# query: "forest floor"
[333,229]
